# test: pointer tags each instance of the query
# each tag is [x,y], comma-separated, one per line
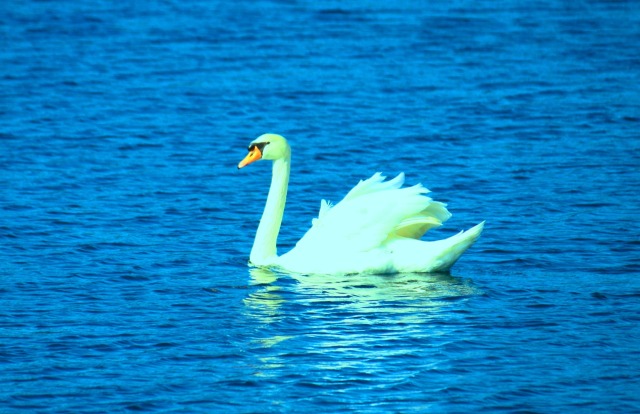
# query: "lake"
[126,227]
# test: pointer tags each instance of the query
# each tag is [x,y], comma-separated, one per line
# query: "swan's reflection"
[395,293]
[343,320]
[264,303]
[388,288]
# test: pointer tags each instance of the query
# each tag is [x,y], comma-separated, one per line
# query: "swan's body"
[375,229]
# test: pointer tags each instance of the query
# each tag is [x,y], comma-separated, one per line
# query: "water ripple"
[126,227]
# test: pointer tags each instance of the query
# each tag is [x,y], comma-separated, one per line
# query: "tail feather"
[456,245]
[411,255]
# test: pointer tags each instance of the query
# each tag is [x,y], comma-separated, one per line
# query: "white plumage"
[374,229]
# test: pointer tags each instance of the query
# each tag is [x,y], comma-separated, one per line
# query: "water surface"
[126,227]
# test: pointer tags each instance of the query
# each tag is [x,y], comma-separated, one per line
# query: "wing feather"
[369,214]
[374,184]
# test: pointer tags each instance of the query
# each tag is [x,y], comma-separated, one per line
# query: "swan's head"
[266,147]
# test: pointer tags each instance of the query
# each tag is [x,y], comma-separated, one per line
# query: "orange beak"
[254,155]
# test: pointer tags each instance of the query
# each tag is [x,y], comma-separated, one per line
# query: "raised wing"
[370,213]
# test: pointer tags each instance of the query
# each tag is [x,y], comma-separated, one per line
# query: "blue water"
[126,227]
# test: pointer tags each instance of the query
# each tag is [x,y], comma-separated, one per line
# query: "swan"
[375,229]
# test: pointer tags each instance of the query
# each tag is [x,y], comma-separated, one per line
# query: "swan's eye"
[260,146]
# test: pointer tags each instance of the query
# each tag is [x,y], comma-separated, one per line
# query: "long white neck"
[264,250]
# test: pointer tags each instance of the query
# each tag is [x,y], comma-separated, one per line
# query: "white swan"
[375,229]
